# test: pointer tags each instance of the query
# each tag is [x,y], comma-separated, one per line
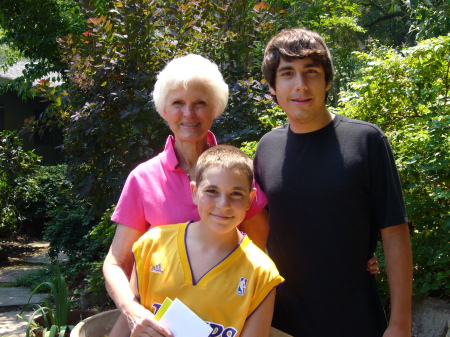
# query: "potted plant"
[53,319]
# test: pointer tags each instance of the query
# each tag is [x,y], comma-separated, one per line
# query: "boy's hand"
[142,323]
[372,265]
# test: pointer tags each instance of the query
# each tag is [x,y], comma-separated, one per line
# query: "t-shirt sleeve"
[130,209]
[389,208]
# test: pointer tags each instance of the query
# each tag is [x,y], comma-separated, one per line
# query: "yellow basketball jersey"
[224,297]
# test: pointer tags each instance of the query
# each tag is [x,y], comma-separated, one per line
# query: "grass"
[7,285]
[33,278]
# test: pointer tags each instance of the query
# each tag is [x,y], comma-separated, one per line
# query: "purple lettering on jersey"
[157,306]
[217,329]
[229,332]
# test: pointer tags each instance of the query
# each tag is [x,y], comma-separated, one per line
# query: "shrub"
[84,238]
[15,165]
[42,192]
[406,93]
[67,229]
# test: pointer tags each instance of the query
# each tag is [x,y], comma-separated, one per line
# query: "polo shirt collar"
[168,156]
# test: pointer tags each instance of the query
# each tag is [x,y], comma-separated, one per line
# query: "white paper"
[183,322]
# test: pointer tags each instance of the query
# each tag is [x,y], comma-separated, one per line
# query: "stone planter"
[75,316]
[96,326]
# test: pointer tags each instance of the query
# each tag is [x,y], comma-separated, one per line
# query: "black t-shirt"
[329,192]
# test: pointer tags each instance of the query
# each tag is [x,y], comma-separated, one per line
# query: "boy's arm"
[260,321]
[397,248]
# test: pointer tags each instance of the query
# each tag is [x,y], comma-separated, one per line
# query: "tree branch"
[384,18]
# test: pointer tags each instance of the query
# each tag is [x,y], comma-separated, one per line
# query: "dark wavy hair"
[296,43]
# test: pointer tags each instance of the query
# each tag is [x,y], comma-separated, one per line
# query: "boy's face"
[223,198]
[300,88]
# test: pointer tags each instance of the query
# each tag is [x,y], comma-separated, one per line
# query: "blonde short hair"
[227,157]
[181,71]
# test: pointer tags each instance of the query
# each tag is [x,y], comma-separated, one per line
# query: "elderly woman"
[189,94]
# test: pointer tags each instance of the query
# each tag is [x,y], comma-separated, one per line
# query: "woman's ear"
[251,197]
[194,190]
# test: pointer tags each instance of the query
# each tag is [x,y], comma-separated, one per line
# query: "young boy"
[209,265]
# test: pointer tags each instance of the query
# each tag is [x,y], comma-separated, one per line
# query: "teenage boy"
[209,265]
[331,185]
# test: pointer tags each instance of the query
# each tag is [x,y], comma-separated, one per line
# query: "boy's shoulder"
[257,257]
[162,231]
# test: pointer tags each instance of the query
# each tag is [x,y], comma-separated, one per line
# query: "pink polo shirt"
[157,193]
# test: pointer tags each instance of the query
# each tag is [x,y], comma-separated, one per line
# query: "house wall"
[14,111]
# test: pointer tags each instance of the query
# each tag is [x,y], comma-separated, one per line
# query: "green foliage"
[67,229]
[28,191]
[406,93]
[33,26]
[15,164]
[249,148]
[241,120]
[83,238]
[110,122]
[20,19]
[41,192]
[429,18]
[55,315]
[8,54]
[101,238]
[386,21]
[111,125]
[33,278]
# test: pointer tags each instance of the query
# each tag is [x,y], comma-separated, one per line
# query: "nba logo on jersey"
[242,286]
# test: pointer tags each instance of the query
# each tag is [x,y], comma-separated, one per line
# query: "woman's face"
[190,112]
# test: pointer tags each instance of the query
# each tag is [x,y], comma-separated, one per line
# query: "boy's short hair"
[191,68]
[227,157]
[296,43]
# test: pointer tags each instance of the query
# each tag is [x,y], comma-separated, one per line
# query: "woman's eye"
[237,194]
[200,103]
[211,191]
[177,102]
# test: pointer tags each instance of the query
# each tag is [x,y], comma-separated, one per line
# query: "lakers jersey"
[224,297]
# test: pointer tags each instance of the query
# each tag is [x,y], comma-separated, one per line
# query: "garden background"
[392,61]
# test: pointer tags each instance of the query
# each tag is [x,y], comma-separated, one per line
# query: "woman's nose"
[188,110]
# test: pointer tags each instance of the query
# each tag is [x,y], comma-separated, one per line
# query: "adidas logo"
[157,269]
